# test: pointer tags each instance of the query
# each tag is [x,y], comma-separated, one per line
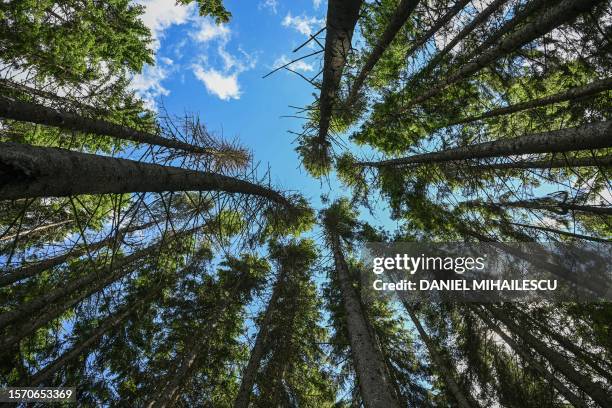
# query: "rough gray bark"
[342,17]
[528,359]
[27,271]
[376,391]
[27,171]
[33,231]
[560,232]
[571,94]
[258,351]
[446,372]
[591,136]
[546,21]
[172,387]
[396,22]
[557,360]
[42,115]
[479,19]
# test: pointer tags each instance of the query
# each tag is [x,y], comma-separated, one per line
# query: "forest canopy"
[148,260]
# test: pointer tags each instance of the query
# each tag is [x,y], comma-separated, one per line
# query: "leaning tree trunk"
[446,372]
[248,376]
[368,361]
[396,22]
[112,273]
[467,30]
[528,359]
[556,359]
[170,391]
[342,17]
[29,171]
[591,136]
[557,208]
[28,271]
[108,324]
[33,231]
[42,115]
[552,163]
[546,21]
[529,9]
[560,232]
[593,361]
[571,94]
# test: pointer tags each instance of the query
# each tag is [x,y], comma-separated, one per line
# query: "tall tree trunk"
[33,231]
[467,30]
[519,17]
[552,163]
[446,372]
[257,353]
[108,324]
[549,19]
[367,358]
[599,287]
[396,22]
[42,115]
[170,392]
[571,94]
[528,359]
[591,136]
[342,17]
[29,171]
[558,208]
[557,360]
[111,273]
[28,271]
[560,232]
[593,361]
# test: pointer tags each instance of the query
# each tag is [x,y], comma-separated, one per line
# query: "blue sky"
[216,72]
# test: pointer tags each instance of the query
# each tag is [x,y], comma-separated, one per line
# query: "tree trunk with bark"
[556,207]
[591,136]
[33,231]
[258,351]
[27,171]
[560,232]
[368,361]
[342,17]
[396,22]
[42,115]
[571,94]
[467,30]
[549,19]
[445,371]
[590,161]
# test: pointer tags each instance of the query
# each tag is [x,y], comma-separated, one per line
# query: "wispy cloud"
[224,86]
[148,84]
[159,15]
[206,30]
[271,5]
[316,3]
[303,24]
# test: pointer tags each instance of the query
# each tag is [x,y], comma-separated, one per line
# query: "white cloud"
[316,3]
[302,24]
[148,84]
[208,30]
[222,85]
[161,14]
[270,5]
[297,66]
